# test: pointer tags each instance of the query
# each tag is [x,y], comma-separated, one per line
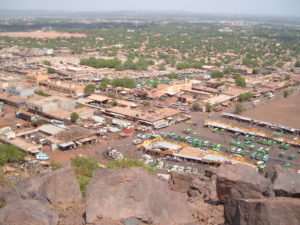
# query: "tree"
[239,108]
[255,71]
[146,104]
[123,82]
[11,154]
[144,95]
[111,95]
[208,107]
[297,64]
[162,66]
[172,76]
[47,62]
[217,74]
[228,70]
[114,103]
[245,96]
[74,117]
[286,93]
[240,81]
[280,64]
[89,89]
[196,106]
[104,82]
[51,70]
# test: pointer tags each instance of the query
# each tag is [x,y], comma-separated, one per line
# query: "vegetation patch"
[84,168]
[40,92]
[11,154]
[127,163]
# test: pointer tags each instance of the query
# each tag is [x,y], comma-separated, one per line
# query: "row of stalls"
[163,147]
[250,131]
[261,123]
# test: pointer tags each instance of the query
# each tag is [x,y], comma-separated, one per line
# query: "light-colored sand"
[41,34]
[285,111]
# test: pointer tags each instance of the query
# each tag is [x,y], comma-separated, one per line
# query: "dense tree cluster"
[245,96]
[217,74]
[240,81]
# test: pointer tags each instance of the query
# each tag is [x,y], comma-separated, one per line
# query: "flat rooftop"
[159,114]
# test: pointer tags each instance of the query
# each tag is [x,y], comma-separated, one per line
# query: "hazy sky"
[269,7]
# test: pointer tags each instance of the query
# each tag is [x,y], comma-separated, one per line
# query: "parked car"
[173,105]
[137,141]
[42,156]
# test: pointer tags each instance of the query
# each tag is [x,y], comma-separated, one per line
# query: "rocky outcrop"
[241,181]
[59,186]
[134,193]
[180,182]
[276,211]
[27,212]
[199,188]
[286,182]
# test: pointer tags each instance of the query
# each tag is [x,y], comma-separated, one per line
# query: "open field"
[285,111]
[41,34]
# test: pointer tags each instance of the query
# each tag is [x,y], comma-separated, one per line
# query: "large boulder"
[199,188]
[241,181]
[276,211]
[134,193]
[59,186]
[180,182]
[27,212]
[286,182]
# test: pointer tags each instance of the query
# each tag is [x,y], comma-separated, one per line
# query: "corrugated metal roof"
[215,158]
[50,129]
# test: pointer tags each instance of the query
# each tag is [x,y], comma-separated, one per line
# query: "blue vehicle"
[42,156]
[56,122]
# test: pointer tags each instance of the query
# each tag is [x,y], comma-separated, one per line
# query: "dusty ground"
[41,34]
[129,150]
[9,118]
[285,111]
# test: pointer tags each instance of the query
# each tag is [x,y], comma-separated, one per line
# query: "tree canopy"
[240,81]
[217,74]
[74,117]
[89,89]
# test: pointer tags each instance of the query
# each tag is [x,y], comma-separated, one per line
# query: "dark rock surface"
[134,193]
[286,182]
[275,211]
[241,181]
[180,182]
[59,186]
[27,212]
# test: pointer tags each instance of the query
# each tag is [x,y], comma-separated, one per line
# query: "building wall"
[20,91]
[26,92]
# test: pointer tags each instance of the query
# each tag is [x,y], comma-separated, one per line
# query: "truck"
[28,116]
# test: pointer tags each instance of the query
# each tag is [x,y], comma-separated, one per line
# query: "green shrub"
[40,92]
[11,154]
[83,182]
[127,163]
[84,166]
[245,96]
[217,74]
[2,204]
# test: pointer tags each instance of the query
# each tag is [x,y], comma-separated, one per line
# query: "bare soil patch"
[285,111]
[42,34]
